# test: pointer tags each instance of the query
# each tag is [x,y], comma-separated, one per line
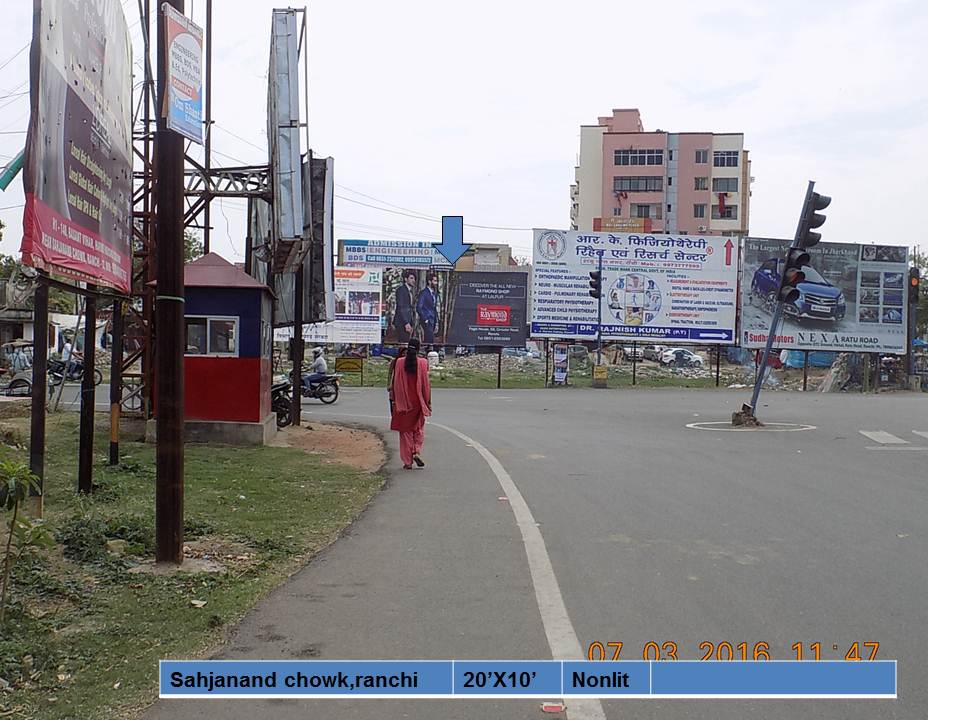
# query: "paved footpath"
[648,530]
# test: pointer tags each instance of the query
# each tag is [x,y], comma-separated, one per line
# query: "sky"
[475,109]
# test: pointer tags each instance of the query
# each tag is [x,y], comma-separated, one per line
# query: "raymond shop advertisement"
[183,101]
[676,289]
[454,308]
[853,297]
[488,309]
[77,169]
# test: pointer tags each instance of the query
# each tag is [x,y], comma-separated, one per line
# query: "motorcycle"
[56,369]
[281,403]
[326,389]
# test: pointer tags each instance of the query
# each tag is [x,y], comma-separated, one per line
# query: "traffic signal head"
[595,284]
[914,285]
[813,219]
[793,274]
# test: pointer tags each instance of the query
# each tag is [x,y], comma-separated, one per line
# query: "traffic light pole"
[600,310]
[778,312]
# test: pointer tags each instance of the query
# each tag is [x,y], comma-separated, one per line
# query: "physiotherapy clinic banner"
[77,173]
[662,288]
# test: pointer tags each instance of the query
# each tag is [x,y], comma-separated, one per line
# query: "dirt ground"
[361,449]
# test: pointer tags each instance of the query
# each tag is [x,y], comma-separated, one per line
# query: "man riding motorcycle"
[318,369]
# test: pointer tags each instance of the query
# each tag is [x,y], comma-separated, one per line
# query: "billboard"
[357,293]
[666,288]
[183,99]
[318,301]
[454,308]
[77,173]
[853,297]
[488,308]
[391,253]
[283,131]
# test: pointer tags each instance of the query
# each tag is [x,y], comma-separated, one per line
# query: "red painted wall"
[231,389]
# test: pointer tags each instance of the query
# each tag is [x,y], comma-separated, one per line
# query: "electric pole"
[169,321]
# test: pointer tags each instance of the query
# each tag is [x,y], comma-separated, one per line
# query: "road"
[653,532]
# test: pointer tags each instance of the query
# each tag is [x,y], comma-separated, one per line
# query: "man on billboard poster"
[427,303]
[403,317]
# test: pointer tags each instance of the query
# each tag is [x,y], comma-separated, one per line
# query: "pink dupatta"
[403,401]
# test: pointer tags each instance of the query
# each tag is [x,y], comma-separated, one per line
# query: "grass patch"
[85,634]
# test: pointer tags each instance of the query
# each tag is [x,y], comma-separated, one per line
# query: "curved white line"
[561,636]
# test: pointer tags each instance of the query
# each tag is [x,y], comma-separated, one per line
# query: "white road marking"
[922,434]
[884,438]
[725,426]
[898,448]
[561,636]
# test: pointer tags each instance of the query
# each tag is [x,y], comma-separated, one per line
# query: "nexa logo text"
[493,314]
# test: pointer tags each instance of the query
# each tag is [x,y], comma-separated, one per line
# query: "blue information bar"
[525,678]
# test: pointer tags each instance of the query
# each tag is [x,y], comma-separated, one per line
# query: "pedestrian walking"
[409,390]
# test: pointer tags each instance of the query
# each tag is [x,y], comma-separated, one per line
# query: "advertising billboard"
[391,253]
[454,308]
[283,131]
[77,173]
[488,309]
[183,99]
[676,289]
[357,294]
[853,297]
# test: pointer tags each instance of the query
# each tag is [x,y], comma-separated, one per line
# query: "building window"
[638,157]
[670,181]
[638,184]
[726,158]
[700,183]
[726,184]
[700,211]
[669,207]
[616,212]
[701,157]
[670,155]
[212,336]
[645,211]
[729,212]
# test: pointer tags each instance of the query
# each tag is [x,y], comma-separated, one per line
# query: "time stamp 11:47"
[742,651]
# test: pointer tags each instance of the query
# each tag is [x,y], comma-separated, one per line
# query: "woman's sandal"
[408,467]
[417,459]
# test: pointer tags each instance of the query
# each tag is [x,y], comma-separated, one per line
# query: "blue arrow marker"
[452,246]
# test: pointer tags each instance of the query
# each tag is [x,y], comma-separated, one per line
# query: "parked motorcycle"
[326,389]
[281,403]
[56,369]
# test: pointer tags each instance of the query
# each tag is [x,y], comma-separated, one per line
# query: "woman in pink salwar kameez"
[409,388]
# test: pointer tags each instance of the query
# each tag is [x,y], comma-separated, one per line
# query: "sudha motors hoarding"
[853,297]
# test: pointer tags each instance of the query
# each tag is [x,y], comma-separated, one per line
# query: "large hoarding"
[283,131]
[183,100]
[77,173]
[391,253]
[675,289]
[359,311]
[853,297]
[488,309]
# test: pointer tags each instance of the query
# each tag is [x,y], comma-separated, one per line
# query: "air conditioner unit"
[702,228]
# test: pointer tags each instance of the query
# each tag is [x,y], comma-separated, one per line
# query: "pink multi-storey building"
[630,180]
